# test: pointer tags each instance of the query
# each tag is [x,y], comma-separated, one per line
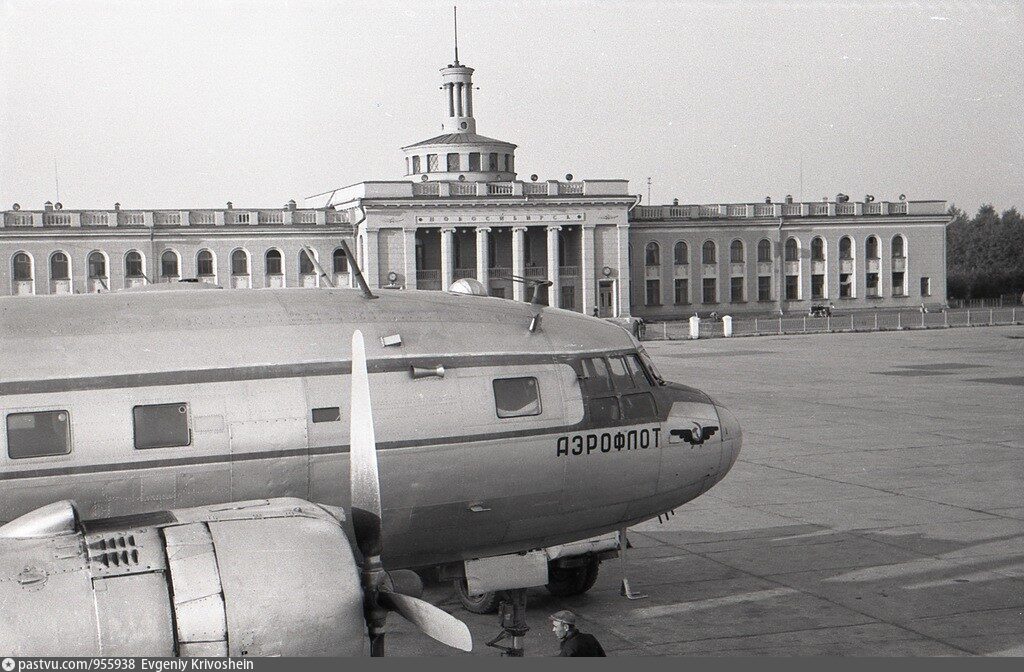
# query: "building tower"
[459,154]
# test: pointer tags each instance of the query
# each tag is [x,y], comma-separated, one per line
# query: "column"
[409,260]
[447,258]
[451,99]
[482,261]
[587,278]
[554,291]
[622,307]
[371,260]
[518,261]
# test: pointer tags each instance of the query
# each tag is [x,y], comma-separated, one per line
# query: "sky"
[179,104]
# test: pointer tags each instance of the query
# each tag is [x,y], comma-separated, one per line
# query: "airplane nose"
[732,438]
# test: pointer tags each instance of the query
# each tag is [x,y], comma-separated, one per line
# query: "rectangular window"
[897,283]
[817,286]
[653,293]
[736,294]
[605,409]
[596,378]
[792,287]
[474,161]
[764,288]
[845,286]
[432,165]
[871,284]
[327,414]
[508,165]
[682,291]
[205,265]
[516,397]
[568,298]
[38,434]
[621,376]
[926,286]
[638,406]
[493,162]
[161,426]
[710,294]
[498,292]
[415,165]
[453,163]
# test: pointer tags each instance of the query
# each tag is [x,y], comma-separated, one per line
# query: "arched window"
[736,252]
[97,265]
[59,266]
[871,248]
[817,249]
[133,265]
[681,254]
[792,250]
[898,249]
[239,263]
[169,264]
[707,252]
[341,261]
[764,251]
[652,256]
[274,266]
[22,266]
[845,248]
[305,264]
[204,263]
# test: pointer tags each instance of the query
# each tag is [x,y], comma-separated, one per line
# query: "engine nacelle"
[263,578]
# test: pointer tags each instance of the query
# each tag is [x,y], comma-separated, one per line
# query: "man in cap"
[574,642]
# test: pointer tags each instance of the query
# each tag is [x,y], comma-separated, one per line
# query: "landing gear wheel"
[566,581]
[484,603]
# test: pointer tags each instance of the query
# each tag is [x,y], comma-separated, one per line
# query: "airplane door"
[605,296]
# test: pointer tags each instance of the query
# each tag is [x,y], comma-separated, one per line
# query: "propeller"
[381,591]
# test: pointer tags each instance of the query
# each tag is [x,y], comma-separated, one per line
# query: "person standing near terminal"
[573,642]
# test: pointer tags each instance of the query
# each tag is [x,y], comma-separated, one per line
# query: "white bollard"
[727,326]
[694,327]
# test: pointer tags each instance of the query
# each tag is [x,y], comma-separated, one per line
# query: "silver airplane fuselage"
[261,380]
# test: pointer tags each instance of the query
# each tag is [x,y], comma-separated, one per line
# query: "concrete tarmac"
[877,509]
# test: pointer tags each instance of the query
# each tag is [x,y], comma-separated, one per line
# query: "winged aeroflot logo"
[697,435]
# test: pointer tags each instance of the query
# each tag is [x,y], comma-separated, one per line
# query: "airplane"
[500,428]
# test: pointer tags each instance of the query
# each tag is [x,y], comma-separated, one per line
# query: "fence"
[882,321]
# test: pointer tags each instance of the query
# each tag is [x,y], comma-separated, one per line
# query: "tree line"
[985,254]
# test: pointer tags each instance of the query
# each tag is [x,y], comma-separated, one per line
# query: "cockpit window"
[38,434]
[597,378]
[649,365]
[640,377]
[516,397]
[620,374]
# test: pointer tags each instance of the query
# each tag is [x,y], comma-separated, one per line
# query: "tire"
[572,580]
[485,603]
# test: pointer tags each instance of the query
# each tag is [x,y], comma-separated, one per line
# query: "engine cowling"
[263,578]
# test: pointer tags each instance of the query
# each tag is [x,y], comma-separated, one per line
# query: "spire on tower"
[455,11]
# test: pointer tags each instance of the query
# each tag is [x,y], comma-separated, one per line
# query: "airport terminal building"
[462,212]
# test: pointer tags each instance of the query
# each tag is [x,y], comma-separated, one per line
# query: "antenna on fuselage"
[358,273]
[316,264]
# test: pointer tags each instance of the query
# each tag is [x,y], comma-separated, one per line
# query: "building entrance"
[605,298]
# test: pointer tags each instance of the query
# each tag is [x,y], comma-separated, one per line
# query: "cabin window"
[38,434]
[636,406]
[597,380]
[161,426]
[516,397]
[327,414]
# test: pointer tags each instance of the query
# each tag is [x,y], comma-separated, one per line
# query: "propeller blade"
[365,482]
[434,622]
